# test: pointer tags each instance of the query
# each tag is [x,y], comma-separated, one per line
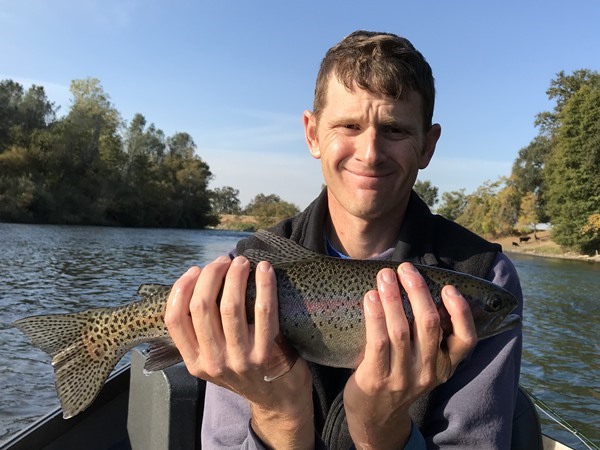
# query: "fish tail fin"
[82,356]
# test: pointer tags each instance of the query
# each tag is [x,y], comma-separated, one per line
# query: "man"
[372,130]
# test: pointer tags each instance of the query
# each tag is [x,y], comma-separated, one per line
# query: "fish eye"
[496,304]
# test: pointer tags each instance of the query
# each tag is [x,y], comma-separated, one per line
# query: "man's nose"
[369,146]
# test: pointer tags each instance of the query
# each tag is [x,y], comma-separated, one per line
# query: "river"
[56,269]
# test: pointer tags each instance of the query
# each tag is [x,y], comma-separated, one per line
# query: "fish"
[320,315]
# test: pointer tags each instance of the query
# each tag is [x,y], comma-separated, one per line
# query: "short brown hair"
[378,62]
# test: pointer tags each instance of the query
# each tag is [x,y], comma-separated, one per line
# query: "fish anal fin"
[161,354]
[283,357]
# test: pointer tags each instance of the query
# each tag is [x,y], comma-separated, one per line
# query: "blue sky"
[237,75]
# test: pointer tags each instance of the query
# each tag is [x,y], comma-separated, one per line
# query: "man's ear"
[431,137]
[310,133]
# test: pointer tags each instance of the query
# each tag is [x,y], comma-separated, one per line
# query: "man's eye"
[393,130]
[350,126]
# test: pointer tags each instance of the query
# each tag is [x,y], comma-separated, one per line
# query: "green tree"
[225,200]
[86,169]
[85,154]
[528,215]
[571,173]
[26,122]
[492,210]
[184,179]
[561,89]
[591,233]
[181,145]
[427,192]
[191,195]
[270,209]
[452,204]
[528,169]
[22,113]
[146,185]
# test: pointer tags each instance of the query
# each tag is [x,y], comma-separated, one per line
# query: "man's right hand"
[218,345]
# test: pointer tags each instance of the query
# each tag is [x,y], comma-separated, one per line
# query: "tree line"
[555,179]
[87,167]
[90,167]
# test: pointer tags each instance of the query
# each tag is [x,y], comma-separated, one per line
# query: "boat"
[162,410]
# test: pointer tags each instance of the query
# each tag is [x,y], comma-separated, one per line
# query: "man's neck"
[361,238]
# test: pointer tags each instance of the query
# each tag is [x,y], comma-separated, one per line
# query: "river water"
[57,269]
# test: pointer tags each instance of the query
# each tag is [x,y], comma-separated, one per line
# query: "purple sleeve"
[475,407]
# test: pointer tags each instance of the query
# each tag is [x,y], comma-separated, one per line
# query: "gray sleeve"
[226,424]
[475,407]
[226,421]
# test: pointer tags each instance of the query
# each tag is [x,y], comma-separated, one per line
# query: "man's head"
[382,63]
[371,127]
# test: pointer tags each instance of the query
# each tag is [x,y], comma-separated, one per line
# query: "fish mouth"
[500,324]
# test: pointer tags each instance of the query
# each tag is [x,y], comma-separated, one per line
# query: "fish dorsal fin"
[255,256]
[145,290]
[282,250]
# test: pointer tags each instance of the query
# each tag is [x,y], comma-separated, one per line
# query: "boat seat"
[527,430]
[164,407]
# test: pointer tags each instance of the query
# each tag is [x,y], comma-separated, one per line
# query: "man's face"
[371,148]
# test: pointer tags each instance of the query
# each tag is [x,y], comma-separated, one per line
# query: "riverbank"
[540,244]
[237,222]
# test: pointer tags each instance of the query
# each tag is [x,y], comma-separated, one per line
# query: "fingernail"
[223,259]
[189,272]
[408,268]
[388,277]
[371,296]
[264,266]
[452,291]
[239,261]
[372,300]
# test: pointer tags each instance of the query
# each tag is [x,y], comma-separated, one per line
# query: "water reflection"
[561,358]
[56,269]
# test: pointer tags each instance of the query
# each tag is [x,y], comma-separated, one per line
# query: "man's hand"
[219,346]
[396,370]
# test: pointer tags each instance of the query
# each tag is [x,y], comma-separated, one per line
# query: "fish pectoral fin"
[283,357]
[161,354]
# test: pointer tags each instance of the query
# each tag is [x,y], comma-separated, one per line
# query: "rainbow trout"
[320,314]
